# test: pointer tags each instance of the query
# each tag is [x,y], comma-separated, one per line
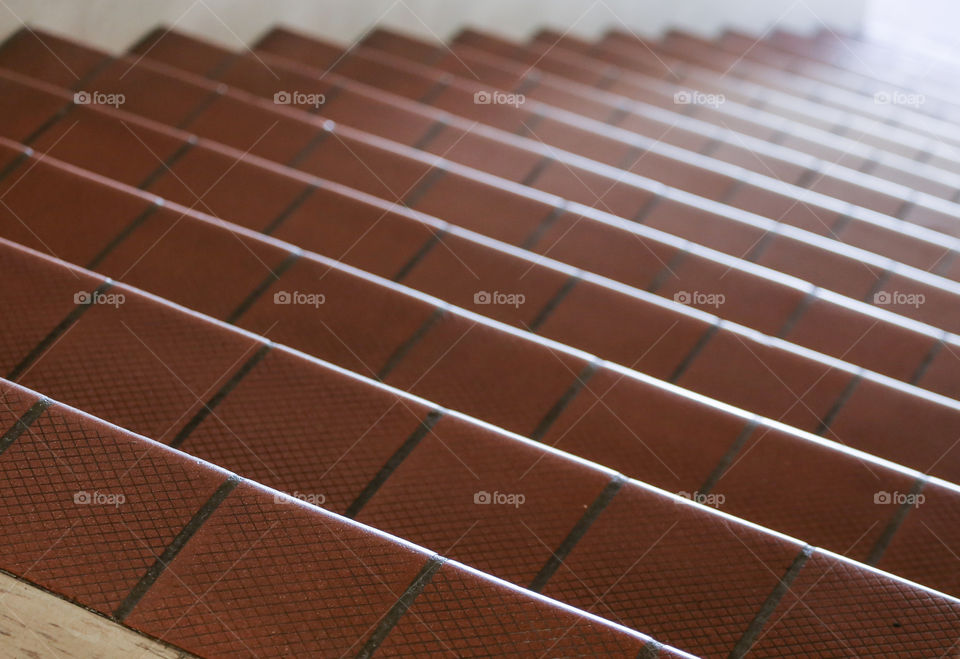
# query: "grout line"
[536,171]
[168,163]
[414,196]
[554,412]
[710,147]
[647,208]
[544,225]
[531,80]
[878,285]
[438,88]
[46,125]
[667,270]
[728,457]
[650,650]
[134,224]
[308,148]
[801,308]
[432,132]
[202,106]
[170,552]
[217,70]
[770,604]
[838,404]
[56,332]
[694,351]
[262,287]
[393,462]
[808,176]
[552,303]
[577,532]
[291,208]
[21,158]
[420,254]
[390,619]
[728,194]
[408,345]
[619,114]
[218,397]
[24,422]
[761,245]
[927,360]
[894,525]
[527,127]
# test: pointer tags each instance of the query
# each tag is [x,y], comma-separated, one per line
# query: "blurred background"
[114,24]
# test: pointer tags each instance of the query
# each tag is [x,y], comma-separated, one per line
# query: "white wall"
[115,24]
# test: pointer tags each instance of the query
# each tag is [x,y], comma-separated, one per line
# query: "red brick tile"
[89,508]
[24,109]
[301,428]
[828,270]
[925,547]
[605,149]
[457,613]
[769,381]
[778,480]
[835,607]
[341,319]
[941,375]
[141,365]
[283,42]
[857,195]
[735,295]
[468,148]
[460,101]
[783,209]
[75,224]
[512,221]
[836,330]
[392,121]
[215,269]
[663,132]
[275,576]
[704,227]
[437,498]
[665,566]
[645,431]
[902,247]
[365,167]
[181,51]
[108,144]
[254,128]
[47,57]
[506,381]
[616,326]
[682,175]
[475,278]
[604,250]
[355,231]
[14,402]
[739,153]
[600,192]
[877,419]
[928,303]
[372,70]
[238,191]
